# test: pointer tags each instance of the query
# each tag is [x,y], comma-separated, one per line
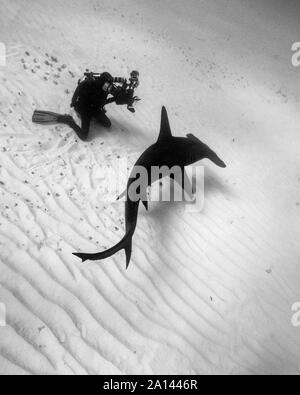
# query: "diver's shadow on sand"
[97,130]
[123,130]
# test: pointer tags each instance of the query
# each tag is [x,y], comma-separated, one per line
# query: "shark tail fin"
[128,250]
[83,257]
[125,243]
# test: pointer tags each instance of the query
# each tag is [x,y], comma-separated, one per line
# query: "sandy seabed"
[210,292]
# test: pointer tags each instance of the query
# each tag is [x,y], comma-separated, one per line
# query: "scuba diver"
[90,98]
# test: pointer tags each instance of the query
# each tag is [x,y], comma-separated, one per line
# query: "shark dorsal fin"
[165,130]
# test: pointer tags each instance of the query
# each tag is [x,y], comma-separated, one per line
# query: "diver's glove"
[131,109]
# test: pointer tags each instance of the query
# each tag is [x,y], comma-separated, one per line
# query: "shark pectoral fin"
[123,194]
[165,130]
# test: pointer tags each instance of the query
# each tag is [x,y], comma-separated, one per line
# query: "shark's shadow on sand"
[212,183]
[165,212]
[167,152]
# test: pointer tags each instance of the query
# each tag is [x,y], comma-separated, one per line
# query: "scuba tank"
[92,76]
[89,76]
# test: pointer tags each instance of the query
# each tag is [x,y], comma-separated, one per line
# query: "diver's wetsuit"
[89,100]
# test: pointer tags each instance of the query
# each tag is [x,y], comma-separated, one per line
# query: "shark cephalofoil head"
[202,151]
[216,160]
[197,150]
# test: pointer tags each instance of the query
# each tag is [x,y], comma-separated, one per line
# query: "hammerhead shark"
[167,151]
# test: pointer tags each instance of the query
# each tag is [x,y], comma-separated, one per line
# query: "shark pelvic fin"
[145,204]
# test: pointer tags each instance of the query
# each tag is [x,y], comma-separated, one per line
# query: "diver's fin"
[165,130]
[49,118]
[45,117]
